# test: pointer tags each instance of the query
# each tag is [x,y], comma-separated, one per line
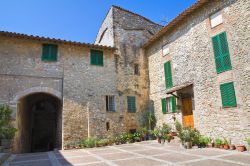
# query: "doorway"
[187,112]
[39,123]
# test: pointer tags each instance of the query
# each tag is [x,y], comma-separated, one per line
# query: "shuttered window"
[131,103]
[96,57]
[221,53]
[164,105]
[168,105]
[49,52]
[168,75]
[228,95]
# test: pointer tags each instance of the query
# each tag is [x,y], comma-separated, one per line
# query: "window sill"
[97,65]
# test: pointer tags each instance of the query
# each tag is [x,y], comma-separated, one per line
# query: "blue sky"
[78,20]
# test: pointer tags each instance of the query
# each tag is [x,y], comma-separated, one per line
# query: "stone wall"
[130,32]
[192,59]
[71,79]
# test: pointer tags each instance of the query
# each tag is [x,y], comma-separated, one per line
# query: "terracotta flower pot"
[241,148]
[226,147]
[232,147]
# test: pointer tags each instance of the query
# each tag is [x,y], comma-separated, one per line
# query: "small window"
[136,69]
[216,19]
[228,95]
[165,49]
[131,103]
[110,104]
[49,52]
[107,126]
[96,57]
[168,105]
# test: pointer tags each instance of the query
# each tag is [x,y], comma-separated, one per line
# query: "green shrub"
[7,131]
[89,142]
[102,142]
[248,141]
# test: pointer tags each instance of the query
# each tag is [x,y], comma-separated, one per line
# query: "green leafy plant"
[7,131]
[218,142]
[90,142]
[178,126]
[248,141]
[102,142]
[225,141]
[137,136]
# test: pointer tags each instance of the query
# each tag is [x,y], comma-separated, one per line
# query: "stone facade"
[192,61]
[80,89]
[127,32]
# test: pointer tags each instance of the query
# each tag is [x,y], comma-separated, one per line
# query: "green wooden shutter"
[49,52]
[221,53]
[173,101]
[228,95]
[164,105]
[96,57]
[168,75]
[45,52]
[131,104]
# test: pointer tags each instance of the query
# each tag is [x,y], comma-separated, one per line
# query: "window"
[168,75]
[131,103]
[216,19]
[221,53]
[168,105]
[107,126]
[110,103]
[136,69]
[228,95]
[49,52]
[165,49]
[96,57]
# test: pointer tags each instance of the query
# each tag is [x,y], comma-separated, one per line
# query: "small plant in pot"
[241,147]
[218,142]
[226,144]
[137,137]
[157,133]
[186,138]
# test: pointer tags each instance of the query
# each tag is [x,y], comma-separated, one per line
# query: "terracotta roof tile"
[54,40]
[176,21]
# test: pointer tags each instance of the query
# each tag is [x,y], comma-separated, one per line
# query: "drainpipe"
[88,119]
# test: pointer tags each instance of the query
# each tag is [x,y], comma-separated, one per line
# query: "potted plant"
[157,134]
[218,143]
[226,144]
[248,143]
[137,137]
[185,137]
[7,131]
[241,147]
[143,132]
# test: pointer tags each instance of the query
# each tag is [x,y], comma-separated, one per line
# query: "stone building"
[195,69]
[63,91]
[199,69]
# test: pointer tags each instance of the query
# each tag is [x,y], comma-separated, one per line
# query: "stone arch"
[33,90]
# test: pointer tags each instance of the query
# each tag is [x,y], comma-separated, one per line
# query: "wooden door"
[187,112]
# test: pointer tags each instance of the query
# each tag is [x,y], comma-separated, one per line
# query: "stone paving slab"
[211,163]
[176,157]
[148,153]
[238,158]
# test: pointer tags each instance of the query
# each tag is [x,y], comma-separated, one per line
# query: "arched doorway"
[39,123]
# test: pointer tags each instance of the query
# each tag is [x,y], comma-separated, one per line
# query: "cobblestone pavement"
[148,153]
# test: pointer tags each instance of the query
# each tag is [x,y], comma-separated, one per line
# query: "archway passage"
[39,122]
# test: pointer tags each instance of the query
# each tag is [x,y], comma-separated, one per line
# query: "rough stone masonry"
[133,66]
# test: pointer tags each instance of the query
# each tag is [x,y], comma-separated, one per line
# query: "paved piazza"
[146,153]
